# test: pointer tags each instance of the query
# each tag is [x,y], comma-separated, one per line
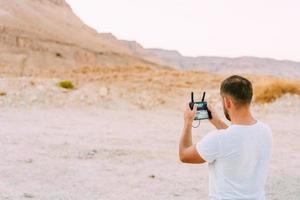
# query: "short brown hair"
[239,88]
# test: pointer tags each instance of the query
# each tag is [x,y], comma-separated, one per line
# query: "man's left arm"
[187,151]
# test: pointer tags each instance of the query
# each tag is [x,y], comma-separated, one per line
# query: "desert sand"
[91,152]
[115,134]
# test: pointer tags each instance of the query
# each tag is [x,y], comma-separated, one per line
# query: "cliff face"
[46,33]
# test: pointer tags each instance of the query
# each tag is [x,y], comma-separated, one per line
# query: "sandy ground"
[120,154]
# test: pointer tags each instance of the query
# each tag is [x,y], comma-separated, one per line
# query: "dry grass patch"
[269,90]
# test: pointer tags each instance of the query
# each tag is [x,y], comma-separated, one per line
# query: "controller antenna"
[192,97]
[203,97]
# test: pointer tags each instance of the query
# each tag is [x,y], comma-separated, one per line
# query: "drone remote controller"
[202,110]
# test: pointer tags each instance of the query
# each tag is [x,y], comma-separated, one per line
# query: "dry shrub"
[66,84]
[271,89]
[2,93]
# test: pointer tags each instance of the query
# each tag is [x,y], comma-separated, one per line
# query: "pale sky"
[231,28]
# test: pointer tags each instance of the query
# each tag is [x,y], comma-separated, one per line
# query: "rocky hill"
[222,65]
[46,33]
[39,34]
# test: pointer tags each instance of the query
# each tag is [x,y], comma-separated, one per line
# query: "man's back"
[238,160]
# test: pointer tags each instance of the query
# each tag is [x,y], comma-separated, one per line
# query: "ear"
[227,102]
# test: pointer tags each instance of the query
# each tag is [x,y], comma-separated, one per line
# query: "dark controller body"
[202,110]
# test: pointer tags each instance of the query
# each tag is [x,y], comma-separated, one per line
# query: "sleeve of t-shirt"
[209,147]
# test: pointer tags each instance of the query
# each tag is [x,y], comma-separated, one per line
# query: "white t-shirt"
[238,161]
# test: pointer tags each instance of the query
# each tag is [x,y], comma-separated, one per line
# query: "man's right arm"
[219,124]
[215,120]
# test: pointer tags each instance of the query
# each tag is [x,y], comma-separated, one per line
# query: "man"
[237,155]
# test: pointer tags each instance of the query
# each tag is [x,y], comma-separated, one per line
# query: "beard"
[226,113]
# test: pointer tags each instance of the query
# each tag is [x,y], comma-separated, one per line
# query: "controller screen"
[201,112]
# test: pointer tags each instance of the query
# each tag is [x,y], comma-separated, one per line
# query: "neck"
[242,116]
